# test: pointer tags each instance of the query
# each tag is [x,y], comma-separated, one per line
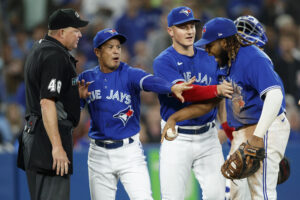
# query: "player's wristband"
[228,130]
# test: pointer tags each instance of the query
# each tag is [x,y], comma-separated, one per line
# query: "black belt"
[201,130]
[113,145]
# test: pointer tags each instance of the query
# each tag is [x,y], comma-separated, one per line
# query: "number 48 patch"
[54,85]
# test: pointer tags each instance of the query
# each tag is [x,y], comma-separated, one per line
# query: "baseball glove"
[244,162]
[284,170]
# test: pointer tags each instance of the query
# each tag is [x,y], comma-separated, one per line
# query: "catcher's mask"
[251,29]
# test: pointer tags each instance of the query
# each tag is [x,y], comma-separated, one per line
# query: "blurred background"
[22,22]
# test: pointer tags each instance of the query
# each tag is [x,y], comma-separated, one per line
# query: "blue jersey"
[114,104]
[252,75]
[175,67]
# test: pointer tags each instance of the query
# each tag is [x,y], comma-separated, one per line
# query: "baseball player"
[197,146]
[114,106]
[251,29]
[256,110]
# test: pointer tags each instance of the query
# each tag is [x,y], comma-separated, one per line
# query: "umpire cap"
[107,34]
[215,29]
[180,15]
[63,18]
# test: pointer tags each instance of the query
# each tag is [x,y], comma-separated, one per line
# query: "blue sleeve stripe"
[268,89]
[177,80]
[141,81]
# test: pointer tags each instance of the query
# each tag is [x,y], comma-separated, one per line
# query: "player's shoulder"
[202,55]
[90,72]
[166,54]
[201,52]
[251,51]
[253,58]
[125,68]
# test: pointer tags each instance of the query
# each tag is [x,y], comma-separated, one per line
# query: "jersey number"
[54,86]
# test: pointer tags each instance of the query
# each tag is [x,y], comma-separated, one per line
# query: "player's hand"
[225,89]
[170,124]
[60,161]
[256,141]
[83,88]
[177,89]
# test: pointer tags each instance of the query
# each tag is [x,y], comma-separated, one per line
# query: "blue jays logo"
[112,31]
[124,115]
[204,29]
[185,11]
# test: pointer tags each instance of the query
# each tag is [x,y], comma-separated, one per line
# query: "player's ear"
[97,51]
[170,31]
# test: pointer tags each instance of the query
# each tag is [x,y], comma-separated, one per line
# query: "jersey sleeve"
[262,76]
[136,77]
[53,76]
[157,85]
[164,68]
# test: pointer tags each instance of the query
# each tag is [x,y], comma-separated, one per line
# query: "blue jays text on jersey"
[113,95]
[114,103]
[252,75]
[175,67]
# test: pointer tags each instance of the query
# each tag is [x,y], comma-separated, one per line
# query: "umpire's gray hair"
[52,32]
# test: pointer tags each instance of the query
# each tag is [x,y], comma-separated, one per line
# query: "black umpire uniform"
[50,74]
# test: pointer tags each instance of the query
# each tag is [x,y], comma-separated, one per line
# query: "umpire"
[52,108]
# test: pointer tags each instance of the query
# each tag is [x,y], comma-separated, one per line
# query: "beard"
[223,58]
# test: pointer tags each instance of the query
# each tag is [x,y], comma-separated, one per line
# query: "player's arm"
[222,115]
[161,86]
[49,116]
[270,110]
[189,112]
[201,93]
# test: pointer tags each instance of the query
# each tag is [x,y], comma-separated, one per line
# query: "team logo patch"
[238,102]
[124,115]
[204,29]
[111,31]
[185,11]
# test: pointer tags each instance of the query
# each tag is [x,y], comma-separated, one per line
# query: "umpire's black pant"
[41,186]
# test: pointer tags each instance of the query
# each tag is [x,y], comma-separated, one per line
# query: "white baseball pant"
[127,163]
[262,184]
[200,152]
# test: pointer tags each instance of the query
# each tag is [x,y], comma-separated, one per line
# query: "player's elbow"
[276,95]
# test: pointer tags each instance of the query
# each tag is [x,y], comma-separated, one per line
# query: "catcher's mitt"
[244,162]
[284,170]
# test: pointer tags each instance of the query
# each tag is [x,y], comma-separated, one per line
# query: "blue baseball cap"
[107,34]
[180,15]
[215,29]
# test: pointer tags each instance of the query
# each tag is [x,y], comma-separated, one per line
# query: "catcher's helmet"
[251,29]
